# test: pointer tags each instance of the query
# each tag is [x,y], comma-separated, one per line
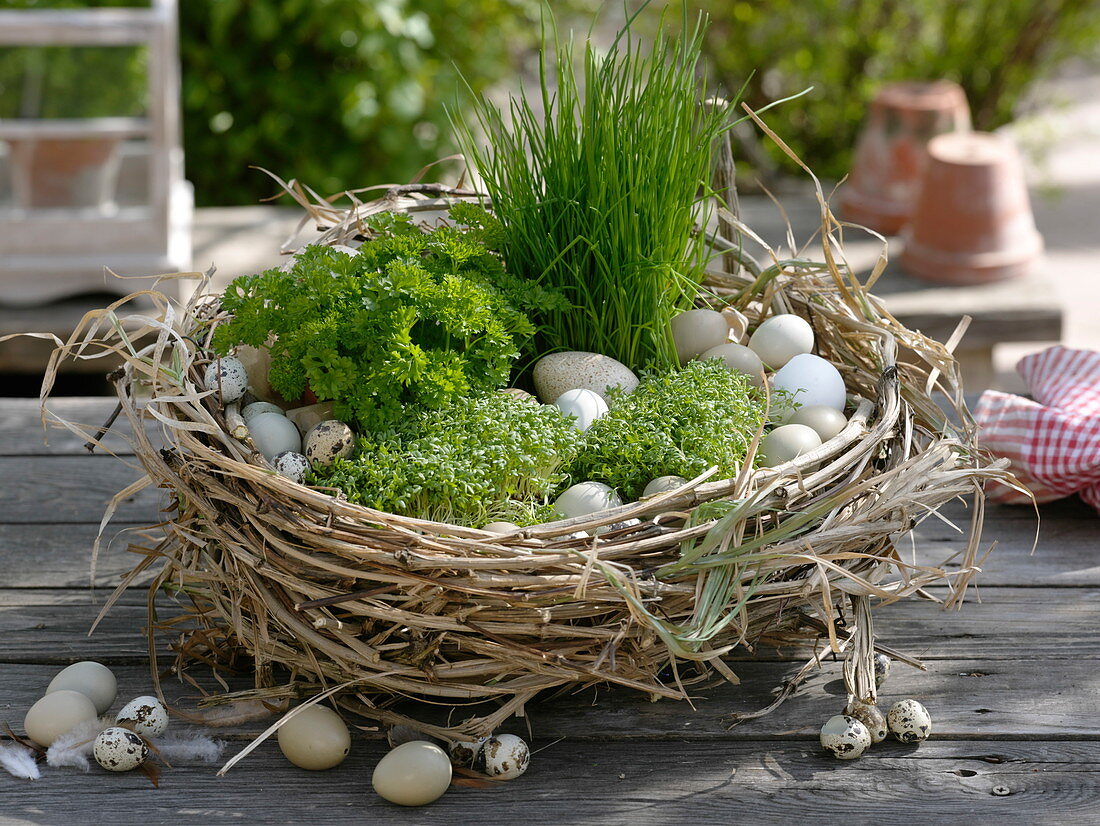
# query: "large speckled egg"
[738,359]
[585,406]
[94,680]
[273,434]
[146,715]
[696,331]
[909,721]
[227,378]
[585,498]
[413,774]
[118,749]
[328,442]
[846,737]
[315,738]
[780,338]
[57,713]
[556,373]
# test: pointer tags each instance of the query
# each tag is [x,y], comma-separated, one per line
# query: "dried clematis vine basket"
[325,594]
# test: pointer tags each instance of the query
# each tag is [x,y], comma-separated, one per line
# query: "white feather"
[189,746]
[74,747]
[19,761]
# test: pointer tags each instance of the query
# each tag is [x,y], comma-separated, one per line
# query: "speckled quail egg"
[846,737]
[827,421]
[328,442]
[466,752]
[273,433]
[505,756]
[315,738]
[413,774]
[585,498]
[663,484]
[780,338]
[294,466]
[738,358]
[118,749]
[696,331]
[871,716]
[585,406]
[909,721]
[226,377]
[882,668]
[57,713]
[251,411]
[788,442]
[94,680]
[146,715]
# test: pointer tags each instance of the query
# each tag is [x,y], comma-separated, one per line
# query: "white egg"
[585,406]
[505,756]
[585,498]
[501,527]
[293,466]
[827,421]
[57,713]
[909,721]
[315,739]
[846,737]
[251,411]
[146,715]
[227,378]
[788,442]
[871,716]
[738,359]
[811,381]
[413,774]
[273,434]
[663,484]
[94,680]
[328,442]
[882,668]
[780,338]
[696,331]
[118,749]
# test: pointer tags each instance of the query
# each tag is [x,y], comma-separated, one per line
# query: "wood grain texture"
[60,556]
[22,434]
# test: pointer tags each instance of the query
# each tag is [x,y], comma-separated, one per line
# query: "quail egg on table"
[846,737]
[294,466]
[315,738]
[328,442]
[882,668]
[827,421]
[226,377]
[696,331]
[94,680]
[118,749]
[585,498]
[466,752]
[57,713]
[780,338]
[909,721]
[413,774]
[585,406]
[788,442]
[505,756]
[146,715]
[273,433]
[871,716]
[738,358]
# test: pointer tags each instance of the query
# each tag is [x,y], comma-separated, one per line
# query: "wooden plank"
[21,432]
[56,489]
[612,783]
[59,556]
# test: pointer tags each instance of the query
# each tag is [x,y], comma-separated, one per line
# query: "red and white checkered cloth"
[1053,442]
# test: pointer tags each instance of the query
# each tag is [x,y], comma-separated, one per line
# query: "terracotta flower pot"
[64,172]
[972,222]
[889,157]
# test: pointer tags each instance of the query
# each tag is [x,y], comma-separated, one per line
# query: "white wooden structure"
[46,253]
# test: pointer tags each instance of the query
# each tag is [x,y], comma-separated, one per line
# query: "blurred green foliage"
[336,93]
[846,49]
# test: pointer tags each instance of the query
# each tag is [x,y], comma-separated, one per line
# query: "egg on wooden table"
[846,737]
[780,338]
[57,713]
[118,749]
[788,442]
[90,678]
[809,381]
[273,433]
[413,774]
[146,715]
[315,738]
[696,331]
[585,406]
[505,756]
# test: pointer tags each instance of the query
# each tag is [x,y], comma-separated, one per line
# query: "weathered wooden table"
[1013,684]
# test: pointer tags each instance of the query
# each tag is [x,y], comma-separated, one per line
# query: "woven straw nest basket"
[323,594]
